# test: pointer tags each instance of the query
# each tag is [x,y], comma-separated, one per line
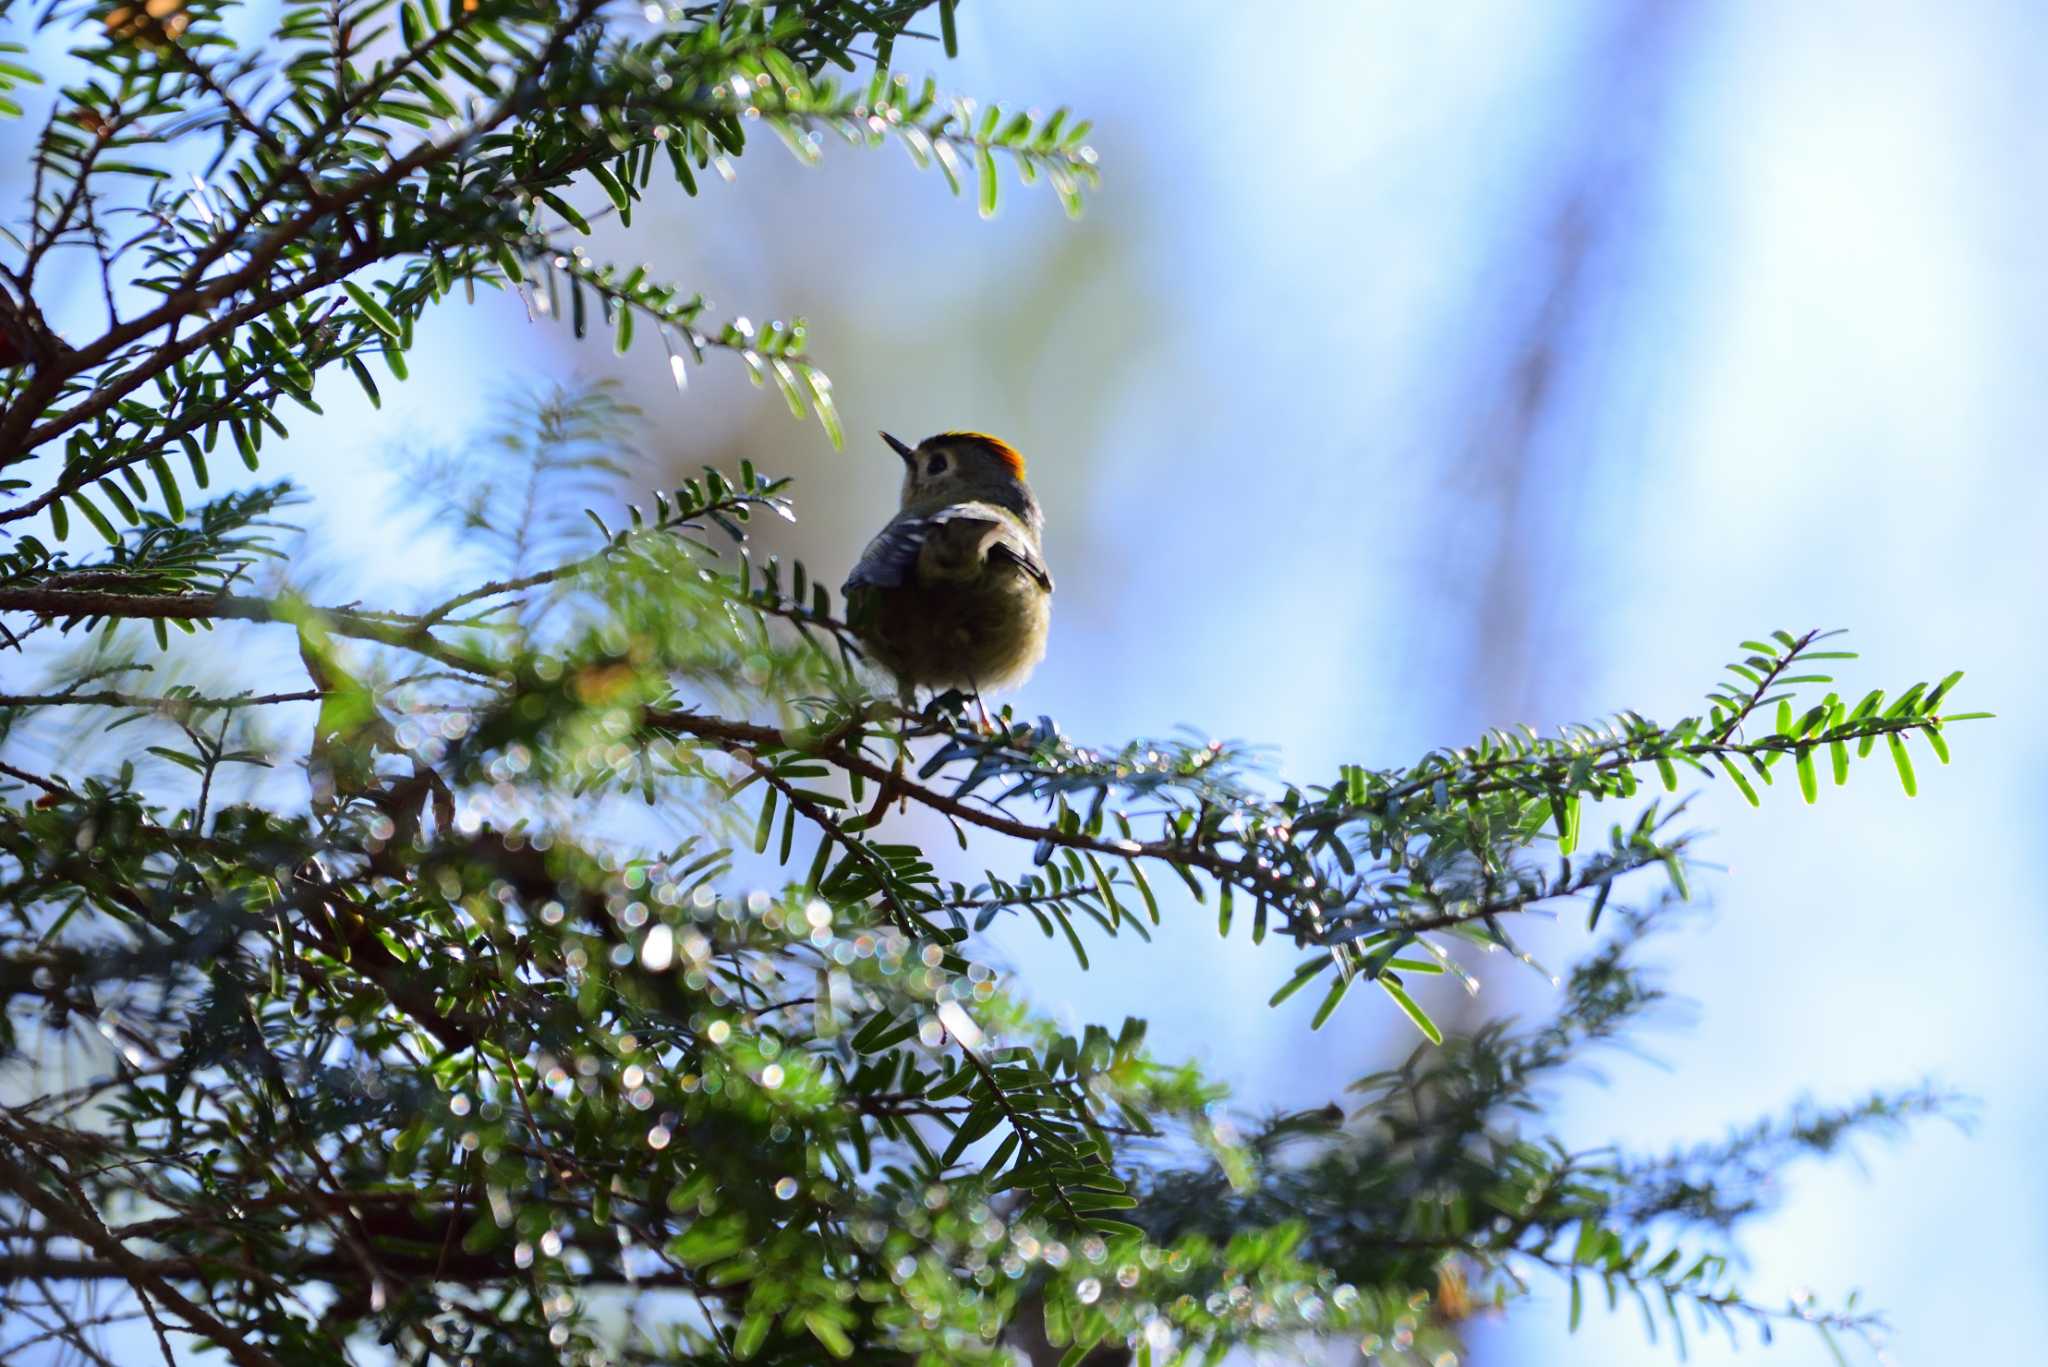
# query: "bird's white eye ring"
[937,465]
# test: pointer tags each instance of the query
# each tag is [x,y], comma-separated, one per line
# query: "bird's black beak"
[909,455]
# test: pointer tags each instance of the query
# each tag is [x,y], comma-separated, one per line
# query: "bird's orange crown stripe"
[1001,449]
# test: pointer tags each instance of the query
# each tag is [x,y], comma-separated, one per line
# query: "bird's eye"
[937,466]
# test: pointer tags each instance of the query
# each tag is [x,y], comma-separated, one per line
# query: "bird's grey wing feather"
[1016,550]
[890,561]
[1004,537]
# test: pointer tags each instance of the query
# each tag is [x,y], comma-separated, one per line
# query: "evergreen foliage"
[590,1010]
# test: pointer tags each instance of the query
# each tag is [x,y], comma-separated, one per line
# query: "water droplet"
[785,1189]
[658,1137]
[1088,1291]
[771,1076]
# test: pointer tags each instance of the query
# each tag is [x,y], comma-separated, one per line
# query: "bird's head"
[958,467]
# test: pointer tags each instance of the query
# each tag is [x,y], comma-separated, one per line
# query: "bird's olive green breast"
[977,633]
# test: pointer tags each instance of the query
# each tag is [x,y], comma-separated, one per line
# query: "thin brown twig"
[1027,1146]
[336,119]
[292,167]
[12,1352]
[53,788]
[837,833]
[168,702]
[77,603]
[71,1329]
[573,568]
[47,237]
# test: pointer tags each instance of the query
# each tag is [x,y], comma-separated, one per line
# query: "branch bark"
[405,633]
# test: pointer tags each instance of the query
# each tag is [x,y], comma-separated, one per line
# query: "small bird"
[954,593]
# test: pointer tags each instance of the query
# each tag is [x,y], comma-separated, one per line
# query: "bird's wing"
[1002,537]
[890,560]
[1008,545]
